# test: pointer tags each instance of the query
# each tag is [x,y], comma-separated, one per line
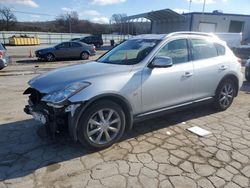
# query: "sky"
[100,11]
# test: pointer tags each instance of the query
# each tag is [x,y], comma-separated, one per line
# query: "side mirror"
[161,62]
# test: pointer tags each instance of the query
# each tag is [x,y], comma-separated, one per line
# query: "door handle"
[187,74]
[223,67]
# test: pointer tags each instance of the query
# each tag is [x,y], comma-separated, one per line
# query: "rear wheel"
[225,95]
[50,57]
[98,45]
[84,55]
[247,73]
[101,125]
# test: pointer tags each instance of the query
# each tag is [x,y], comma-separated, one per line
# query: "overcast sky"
[101,10]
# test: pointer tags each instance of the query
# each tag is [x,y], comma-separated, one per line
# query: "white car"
[142,77]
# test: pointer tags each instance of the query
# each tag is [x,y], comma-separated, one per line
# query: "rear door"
[209,66]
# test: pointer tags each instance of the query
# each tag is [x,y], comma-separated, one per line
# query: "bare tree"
[117,18]
[8,19]
[68,21]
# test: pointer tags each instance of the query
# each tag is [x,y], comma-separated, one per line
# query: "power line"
[33,13]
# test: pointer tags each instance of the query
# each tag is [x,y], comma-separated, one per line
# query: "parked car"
[247,70]
[93,39]
[75,39]
[66,50]
[4,58]
[144,76]
[242,51]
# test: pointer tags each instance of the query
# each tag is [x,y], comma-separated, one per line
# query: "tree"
[118,18]
[8,19]
[68,21]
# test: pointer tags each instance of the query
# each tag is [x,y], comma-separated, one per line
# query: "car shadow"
[25,146]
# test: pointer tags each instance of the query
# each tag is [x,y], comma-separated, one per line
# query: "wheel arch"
[85,51]
[120,100]
[232,77]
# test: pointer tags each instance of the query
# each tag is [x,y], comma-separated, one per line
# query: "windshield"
[129,52]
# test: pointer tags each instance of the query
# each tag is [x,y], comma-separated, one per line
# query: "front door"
[62,50]
[165,87]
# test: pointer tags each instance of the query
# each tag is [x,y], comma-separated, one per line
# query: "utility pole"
[190,2]
[69,23]
[203,9]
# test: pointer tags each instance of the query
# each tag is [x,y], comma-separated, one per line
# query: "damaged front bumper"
[55,117]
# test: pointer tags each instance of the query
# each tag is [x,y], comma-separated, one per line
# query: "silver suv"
[143,76]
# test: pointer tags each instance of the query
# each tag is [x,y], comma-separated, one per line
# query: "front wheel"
[225,95]
[101,125]
[50,57]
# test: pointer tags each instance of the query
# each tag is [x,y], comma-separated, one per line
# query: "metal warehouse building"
[166,21]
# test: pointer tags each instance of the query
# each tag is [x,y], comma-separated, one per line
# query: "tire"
[94,128]
[224,95]
[247,74]
[98,45]
[50,57]
[84,55]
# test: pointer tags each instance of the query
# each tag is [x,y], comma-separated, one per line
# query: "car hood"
[60,78]
[46,49]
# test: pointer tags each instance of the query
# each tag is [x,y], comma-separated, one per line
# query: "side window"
[177,50]
[203,49]
[220,49]
[63,45]
[75,45]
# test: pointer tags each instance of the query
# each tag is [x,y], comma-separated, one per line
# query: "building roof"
[217,14]
[159,15]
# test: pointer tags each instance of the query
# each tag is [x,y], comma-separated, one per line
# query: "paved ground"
[156,153]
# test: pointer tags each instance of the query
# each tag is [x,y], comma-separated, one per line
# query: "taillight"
[1,54]
[239,60]
[93,48]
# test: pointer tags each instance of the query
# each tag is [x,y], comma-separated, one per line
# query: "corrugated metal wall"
[54,38]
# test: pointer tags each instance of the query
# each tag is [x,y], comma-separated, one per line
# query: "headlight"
[62,95]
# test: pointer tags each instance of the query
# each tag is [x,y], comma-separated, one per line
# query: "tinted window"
[203,49]
[75,45]
[177,50]
[63,45]
[220,49]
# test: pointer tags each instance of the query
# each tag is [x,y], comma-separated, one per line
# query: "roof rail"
[191,33]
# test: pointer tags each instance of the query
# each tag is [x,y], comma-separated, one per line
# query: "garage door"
[207,27]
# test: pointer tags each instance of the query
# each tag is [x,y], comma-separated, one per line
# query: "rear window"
[220,49]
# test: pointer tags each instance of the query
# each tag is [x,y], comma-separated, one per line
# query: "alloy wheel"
[103,126]
[50,57]
[226,95]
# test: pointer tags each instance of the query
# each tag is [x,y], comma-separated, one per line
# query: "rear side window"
[177,50]
[202,49]
[75,45]
[220,49]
